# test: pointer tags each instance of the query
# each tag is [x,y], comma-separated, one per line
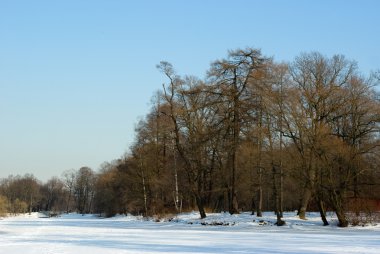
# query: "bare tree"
[232,77]
[69,181]
[195,123]
[52,192]
[84,189]
[319,81]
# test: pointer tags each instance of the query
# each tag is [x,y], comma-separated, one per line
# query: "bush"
[19,206]
[3,206]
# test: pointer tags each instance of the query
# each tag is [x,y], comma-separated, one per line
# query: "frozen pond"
[184,234]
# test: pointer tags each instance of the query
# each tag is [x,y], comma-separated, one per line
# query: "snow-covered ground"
[186,233]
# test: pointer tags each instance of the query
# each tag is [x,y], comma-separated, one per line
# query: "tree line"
[73,192]
[253,135]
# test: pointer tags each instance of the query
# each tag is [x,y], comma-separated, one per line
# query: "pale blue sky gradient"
[76,75]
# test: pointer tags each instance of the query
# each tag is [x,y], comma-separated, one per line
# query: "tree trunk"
[68,202]
[281,197]
[322,212]
[200,206]
[281,186]
[233,204]
[225,200]
[259,207]
[336,200]
[259,167]
[308,190]
[30,204]
[253,205]
[145,195]
[304,203]
[276,198]
[176,192]
[341,218]
[279,221]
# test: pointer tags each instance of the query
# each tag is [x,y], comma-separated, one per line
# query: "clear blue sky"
[76,75]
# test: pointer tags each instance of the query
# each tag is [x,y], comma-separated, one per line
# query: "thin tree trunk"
[68,202]
[259,167]
[225,199]
[281,197]
[259,212]
[232,199]
[275,177]
[144,193]
[30,203]
[253,205]
[322,212]
[233,204]
[276,198]
[176,195]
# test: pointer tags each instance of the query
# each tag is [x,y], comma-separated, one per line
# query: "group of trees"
[253,135]
[259,135]
[73,192]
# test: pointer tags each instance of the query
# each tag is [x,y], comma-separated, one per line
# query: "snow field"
[185,233]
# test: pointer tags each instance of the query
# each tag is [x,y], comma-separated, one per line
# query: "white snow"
[185,233]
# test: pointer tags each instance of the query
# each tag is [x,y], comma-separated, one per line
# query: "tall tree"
[84,189]
[195,122]
[68,178]
[232,77]
[318,80]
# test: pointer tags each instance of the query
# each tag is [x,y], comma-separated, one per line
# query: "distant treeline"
[253,135]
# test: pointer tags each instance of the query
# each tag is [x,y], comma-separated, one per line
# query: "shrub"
[3,206]
[19,206]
